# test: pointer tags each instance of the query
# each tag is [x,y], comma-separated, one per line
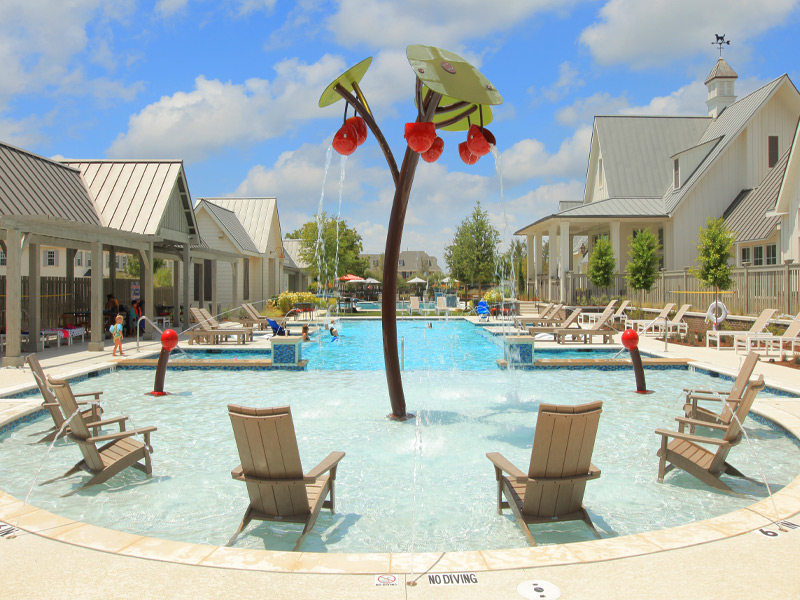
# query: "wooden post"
[147,293]
[13,356]
[70,303]
[214,308]
[186,266]
[176,297]
[98,333]
[34,299]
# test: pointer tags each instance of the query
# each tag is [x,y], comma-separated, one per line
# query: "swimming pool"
[421,486]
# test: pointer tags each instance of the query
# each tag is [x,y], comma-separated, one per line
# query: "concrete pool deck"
[699,560]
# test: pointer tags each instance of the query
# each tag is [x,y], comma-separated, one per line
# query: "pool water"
[423,485]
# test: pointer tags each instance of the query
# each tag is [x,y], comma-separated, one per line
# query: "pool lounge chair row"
[551,490]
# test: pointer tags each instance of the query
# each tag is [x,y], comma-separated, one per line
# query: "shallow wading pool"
[423,485]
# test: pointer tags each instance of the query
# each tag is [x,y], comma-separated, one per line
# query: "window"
[50,258]
[401,263]
[2,259]
[676,174]
[758,256]
[79,258]
[745,255]
[772,254]
[88,259]
[246,278]
[772,144]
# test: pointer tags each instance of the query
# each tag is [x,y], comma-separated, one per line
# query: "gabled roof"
[746,216]
[31,185]
[721,70]
[255,214]
[292,258]
[617,207]
[727,127]
[227,221]
[132,195]
[636,151]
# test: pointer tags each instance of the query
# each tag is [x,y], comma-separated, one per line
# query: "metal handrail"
[139,320]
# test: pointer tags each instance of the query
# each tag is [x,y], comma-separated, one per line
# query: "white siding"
[776,118]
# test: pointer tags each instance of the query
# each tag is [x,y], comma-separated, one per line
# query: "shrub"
[493,297]
[286,301]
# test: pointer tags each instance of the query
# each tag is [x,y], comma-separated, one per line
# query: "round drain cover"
[536,589]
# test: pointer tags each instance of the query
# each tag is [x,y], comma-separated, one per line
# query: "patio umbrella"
[417,280]
[350,277]
[371,280]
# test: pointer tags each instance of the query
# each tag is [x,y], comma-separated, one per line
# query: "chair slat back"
[681,313]
[415,303]
[603,319]
[793,330]
[562,447]
[47,394]
[762,320]
[622,307]
[79,431]
[198,316]
[734,430]
[666,310]
[441,302]
[739,386]
[553,311]
[571,318]
[268,450]
[209,317]
[251,311]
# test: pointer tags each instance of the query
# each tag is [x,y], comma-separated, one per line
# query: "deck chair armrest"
[326,465]
[239,475]
[699,423]
[123,434]
[690,437]
[104,422]
[593,473]
[501,463]
[95,394]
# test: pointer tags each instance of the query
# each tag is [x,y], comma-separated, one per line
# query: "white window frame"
[771,249]
[758,256]
[745,250]
[50,258]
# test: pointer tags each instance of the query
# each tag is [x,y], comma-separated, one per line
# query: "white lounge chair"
[736,336]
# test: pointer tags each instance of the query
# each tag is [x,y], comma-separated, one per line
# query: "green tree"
[715,241]
[602,264]
[162,275]
[642,269]
[515,260]
[318,247]
[470,256]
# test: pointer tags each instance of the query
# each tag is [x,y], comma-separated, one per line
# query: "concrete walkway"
[748,564]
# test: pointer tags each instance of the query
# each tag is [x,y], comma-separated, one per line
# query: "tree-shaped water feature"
[450,95]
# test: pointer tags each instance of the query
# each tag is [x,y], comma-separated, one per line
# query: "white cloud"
[215,114]
[168,8]
[248,6]
[687,100]
[446,23]
[568,80]
[645,34]
[585,109]
[529,158]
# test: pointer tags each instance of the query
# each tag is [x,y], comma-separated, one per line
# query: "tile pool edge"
[758,515]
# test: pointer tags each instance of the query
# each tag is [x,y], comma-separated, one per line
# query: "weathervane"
[720,42]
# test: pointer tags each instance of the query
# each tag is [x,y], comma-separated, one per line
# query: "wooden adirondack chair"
[51,404]
[731,397]
[119,453]
[685,451]
[278,489]
[560,466]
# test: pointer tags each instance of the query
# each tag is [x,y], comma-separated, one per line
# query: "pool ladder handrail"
[156,327]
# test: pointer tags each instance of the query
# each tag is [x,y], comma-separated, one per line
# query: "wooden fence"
[57,299]
[754,289]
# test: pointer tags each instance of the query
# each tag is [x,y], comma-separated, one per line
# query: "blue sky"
[232,89]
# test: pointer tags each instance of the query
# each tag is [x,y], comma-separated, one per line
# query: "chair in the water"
[271,468]
[730,397]
[119,453]
[561,464]
[51,404]
[685,451]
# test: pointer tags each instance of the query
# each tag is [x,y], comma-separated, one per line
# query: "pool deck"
[715,558]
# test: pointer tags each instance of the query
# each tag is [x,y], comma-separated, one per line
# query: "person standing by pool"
[116,332]
[305,334]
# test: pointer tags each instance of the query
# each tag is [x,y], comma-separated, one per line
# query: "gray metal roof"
[727,127]
[636,151]
[721,70]
[255,214]
[617,207]
[132,195]
[291,253]
[34,185]
[746,216]
[231,224]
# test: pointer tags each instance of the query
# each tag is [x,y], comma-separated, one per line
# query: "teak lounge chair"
[212,332]
[560,326]
[730,397]
[89,415]
[253,318]
[758,327]
[588,318]
[119,453]
[560,466]
[685,451]
[586,334]
[278,489]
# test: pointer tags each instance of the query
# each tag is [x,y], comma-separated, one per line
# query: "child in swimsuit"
[116,331]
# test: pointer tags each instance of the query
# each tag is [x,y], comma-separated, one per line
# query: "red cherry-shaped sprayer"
[433,153]
[420,136]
